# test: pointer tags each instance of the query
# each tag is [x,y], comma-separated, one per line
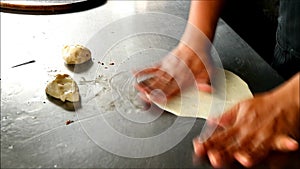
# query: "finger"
[229,117]
[160,81]
[221,146]
[158,96]
[145,71]
[285,143]
[157,89]
[199,148]
[223,139]
[166,84]
[204,87]
[203,83]
[171,89]
[217,158]
[250,155]
[141,87]
[244,159]
[252,149]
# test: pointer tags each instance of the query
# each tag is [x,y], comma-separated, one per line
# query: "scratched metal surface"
[33,129]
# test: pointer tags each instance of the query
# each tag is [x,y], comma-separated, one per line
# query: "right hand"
[177,70]
[253,128]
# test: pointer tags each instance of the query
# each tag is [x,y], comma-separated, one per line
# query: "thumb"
[203,84]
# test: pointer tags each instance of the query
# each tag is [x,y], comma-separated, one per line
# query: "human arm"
[255,127]
[204,15]
[170,75]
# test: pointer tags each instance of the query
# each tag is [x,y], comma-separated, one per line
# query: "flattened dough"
[194,103]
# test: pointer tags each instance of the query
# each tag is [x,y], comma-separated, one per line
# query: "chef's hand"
[177,70]
[253,128]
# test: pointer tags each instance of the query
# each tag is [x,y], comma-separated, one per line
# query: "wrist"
[195,39]
[288,93]
[185,52]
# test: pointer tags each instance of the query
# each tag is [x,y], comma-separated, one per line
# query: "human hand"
[253,128]
[177,70]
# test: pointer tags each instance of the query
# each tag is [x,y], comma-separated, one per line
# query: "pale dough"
[76,54]
[194,103]
[63,87]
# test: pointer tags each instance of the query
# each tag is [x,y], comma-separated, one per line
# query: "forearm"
[201,26]
[204,15]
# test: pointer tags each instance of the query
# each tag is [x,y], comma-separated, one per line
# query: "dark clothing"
[287,50]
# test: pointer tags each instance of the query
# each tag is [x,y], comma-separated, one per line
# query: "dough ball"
[63,87]
[76,54]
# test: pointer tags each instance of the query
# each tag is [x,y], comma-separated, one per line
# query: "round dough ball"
[76,54]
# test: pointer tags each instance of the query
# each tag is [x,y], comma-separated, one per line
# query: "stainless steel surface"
[33,129]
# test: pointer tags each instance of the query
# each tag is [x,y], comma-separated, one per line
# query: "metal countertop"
[107,131]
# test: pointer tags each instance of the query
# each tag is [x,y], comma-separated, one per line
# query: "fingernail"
[243,159]
[213,160]
[292,144]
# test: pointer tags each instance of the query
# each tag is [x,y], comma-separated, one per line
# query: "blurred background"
[255,21]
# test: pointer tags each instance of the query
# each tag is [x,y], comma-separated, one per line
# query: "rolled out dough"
[194,103]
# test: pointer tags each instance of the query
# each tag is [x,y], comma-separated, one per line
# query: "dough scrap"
[194,103]
[76,54]
[63,87]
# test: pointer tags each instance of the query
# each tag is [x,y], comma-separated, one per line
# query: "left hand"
[253,128]
[176,71]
